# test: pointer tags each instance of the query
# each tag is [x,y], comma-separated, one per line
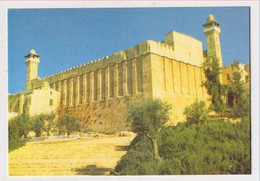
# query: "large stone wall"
[178,83]
[100,92]
[186,48]
[100,98]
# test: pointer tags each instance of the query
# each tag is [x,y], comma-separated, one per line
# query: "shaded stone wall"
[101,98]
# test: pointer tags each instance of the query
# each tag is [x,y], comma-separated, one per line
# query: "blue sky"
[68,37]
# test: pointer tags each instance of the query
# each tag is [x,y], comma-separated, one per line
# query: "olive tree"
[148,118]
[196,113]
[37,124]
[22,124]
[68,124]
[49,123]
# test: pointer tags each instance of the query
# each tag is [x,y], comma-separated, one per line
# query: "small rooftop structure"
[32,53]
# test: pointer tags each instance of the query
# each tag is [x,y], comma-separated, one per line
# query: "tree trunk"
[155,149]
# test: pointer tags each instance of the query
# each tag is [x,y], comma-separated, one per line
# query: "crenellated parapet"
[129,54]
[102,89]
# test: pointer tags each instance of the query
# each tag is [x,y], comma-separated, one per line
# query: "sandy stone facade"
[99,92]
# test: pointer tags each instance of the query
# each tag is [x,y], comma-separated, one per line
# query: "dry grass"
[88,156]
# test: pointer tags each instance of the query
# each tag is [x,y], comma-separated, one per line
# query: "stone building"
[99,92]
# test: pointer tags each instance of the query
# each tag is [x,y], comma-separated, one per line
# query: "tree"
[149,118]
[213,85]
[14,135]
[196,113]
[23,124]
[69,124]
[37,124]
[49,123]
[237,96]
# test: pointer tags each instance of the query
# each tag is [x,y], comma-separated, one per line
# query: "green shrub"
[37,124]
[149,117]
[68,124]
[215,89]
[139,160]
[215,147]
[50,124]
[196,113]
[212,148]
[238,98]
[14,135]
[22,122]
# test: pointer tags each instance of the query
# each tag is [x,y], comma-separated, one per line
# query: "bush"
[215,89]
[149,117]
[22,122]
[215,147]
[50,124]
[238,99]
[196,113]
[139,160]
[14,138]
[37,124]
[68,124]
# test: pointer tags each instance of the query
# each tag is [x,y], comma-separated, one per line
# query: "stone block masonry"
[100,92]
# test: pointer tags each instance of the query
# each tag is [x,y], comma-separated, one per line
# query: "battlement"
[149,46]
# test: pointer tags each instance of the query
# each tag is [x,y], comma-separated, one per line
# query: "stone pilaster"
[91,87]
[77,89]
[84,88]
[134,77]
[59,86]
[195,82]
[116,80]
[99,84]
[71,85]
[203,78]
[64,93]
[124,78]
[107,82]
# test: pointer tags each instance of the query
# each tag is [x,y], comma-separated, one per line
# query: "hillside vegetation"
[205,143]
[215,147]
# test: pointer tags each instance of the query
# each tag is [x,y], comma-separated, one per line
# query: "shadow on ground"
[122,148]
[93,170]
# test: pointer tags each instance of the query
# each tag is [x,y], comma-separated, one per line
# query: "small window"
[51,93]
[51,102]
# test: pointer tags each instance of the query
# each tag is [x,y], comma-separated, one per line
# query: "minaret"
[212,30]
[32,61]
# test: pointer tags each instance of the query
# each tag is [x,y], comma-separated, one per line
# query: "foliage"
[237,96]
[68,124]
[196,113]
[213,85]
[149,117]
[49,123]
[37,124]
[215,147]
[139,160]
[14,136]
[23,124]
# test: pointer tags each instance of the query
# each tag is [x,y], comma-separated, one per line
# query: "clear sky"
[68,37]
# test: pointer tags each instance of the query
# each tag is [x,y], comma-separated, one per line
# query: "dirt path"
[86,156]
